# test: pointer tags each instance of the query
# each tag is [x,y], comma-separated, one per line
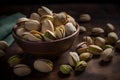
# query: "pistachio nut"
[85,56]
[20,31]
[44,11]
[22,20]
[88,40]
[71,19]
[82,29]
[81,65]
[43,65]
[65,69]
[2,53]
[94,49]
[14,60]
[32,25]
[110,27]
[81,47]
[69,28]
[118,44]
[107,46]
[97,31]
[47,25]
[99,41]
[85,17]
[112,37]
[35,16]
[37,34]
[30,37]
[49,35]
[107,54]
[22,70]
[73,58]
[3,45]
[60,18]
[46,17]
[60,31]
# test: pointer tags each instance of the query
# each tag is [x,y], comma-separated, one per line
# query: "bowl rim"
[57,40]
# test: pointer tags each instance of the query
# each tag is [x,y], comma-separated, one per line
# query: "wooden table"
[101,14]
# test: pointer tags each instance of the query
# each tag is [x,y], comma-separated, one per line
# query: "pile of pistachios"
[44,25]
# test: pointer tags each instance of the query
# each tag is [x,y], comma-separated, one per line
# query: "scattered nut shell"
[85,17]
[81,65]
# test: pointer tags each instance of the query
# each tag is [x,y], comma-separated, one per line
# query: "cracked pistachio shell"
[65,69]
[46,17]
[117,44]
[110,27]
[22,70]
[20,31]
[80,66]
[88,40]
[30,37]
[35,16]
[73,58]
[99,41]
[3,45]
[107,54]
[44,11]
[2,53]
[112,37]
[32,25]
[71,19]
[60,31]
[82,29]
[107,46]
[49,35]
[85,17]
[60,18]
[43,65]
[37,34]
[23,19]
[85,56]
[94,49]
[81,47]
[69,28]
[14,60]
[47,25]
[97,31]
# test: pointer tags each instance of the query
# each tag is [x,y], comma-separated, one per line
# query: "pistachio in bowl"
[45,32]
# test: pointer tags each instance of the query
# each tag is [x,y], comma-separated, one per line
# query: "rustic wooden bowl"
[51,49]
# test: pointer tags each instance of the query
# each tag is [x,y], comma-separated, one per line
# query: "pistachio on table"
[88,40]
[107,54]
[82,29]
[117,44]
[99,41]
[81,65]
[97,31]
[107,46]
[43,65]
[85,56]
[110,27]
[112,37]
[22,70]
[73,58]
[85,17]
[65,69]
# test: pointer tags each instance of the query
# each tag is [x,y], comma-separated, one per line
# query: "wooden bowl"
[51,49]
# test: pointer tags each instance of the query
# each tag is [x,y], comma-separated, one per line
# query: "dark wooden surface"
[100,13]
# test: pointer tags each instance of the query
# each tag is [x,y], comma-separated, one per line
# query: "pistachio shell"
[65,69]
[2,53]
[107,46]
[82,29]
[69,28]
[97,31]
[14,60]
[71,19]
[85,17]
[35,16]
[99,41]
[3,45]
[112,37]
[44,11]
[60,31]
[20,31]
[118,44]
[110,27]
[23,19]
[73,58]
[95,50]
[32,25]
[49,35]
[30,37]
[47,25]
[81,65]
[22,70]
[85,56]
[88,40]
[107,54]
[43,65]
[46,17]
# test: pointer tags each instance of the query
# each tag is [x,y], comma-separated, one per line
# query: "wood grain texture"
[101,14]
